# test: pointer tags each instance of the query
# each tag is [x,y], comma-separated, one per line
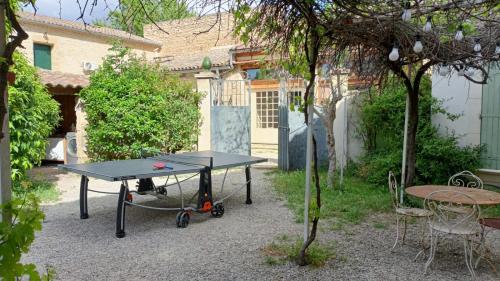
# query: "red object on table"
[159,165]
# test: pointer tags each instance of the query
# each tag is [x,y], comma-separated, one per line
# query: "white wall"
[459,96]
[344,130]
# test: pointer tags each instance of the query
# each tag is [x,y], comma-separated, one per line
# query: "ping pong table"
[200,163]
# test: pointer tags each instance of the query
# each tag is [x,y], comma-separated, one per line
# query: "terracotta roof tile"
[61,79]
[220,57]
[25,17]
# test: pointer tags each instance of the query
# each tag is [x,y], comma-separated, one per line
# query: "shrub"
[33,116]
[382,123]
[133,106]
[16,238]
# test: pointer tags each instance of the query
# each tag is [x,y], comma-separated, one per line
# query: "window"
[294,97]
[260,74]
[252,74]
[267,109]
[42,56]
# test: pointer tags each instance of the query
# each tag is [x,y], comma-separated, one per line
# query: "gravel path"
[228,248]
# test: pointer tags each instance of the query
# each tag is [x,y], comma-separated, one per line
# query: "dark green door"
[490,121]
[42,56]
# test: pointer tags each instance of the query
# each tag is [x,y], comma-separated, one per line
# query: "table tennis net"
[189,160]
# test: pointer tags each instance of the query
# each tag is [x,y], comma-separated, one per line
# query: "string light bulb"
[394,55]
[406,12]
[477,46]
[418,47]
[428,25]
[459,36]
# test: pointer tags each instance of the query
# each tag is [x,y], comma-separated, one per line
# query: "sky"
[70,10]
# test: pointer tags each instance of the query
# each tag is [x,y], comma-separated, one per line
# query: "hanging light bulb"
[459,36]
[418,47]
[461,70]
[470,71]
[394,55]
[406,12]
[428,25]
[477,46]
[444,69]
[497,49]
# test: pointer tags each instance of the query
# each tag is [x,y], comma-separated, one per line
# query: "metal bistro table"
[481,197]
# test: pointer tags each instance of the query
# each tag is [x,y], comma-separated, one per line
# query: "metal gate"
[230,115]
[292,128]
[283,128]
[290,122]
[490,121]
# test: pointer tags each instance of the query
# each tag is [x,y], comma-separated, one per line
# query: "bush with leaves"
[17,236]
[382,123]
[33,116]
[133,106]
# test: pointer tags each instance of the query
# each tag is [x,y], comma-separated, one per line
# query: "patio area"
[230,248]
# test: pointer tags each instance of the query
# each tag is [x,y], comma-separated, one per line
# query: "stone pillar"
[203,86]
[81,135]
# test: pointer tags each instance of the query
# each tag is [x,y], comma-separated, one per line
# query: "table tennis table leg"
[120,210]
[84,184]
[249,185]
[205,190]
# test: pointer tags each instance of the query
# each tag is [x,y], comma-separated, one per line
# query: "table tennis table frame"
[204,195]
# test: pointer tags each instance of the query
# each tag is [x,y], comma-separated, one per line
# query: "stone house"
[239,68]
[65,53]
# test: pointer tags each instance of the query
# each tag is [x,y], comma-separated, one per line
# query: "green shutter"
[42,56]
[490,121]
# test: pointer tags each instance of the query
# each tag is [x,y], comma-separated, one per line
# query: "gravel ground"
[229,248]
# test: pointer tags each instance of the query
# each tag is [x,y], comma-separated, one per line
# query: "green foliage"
[286,249]
[33,116]
[352,205]
[382,123]
[132,15]
[16,238]
[133,106]
[42,189]
[251,24]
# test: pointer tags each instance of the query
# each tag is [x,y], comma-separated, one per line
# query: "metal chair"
[404,212]
[488,225]
[446,220]
[465,179]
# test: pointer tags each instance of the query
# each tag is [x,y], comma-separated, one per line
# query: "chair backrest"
[465,179]
[393,189]
[458,211]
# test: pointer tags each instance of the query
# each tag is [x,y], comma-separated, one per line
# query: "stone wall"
[192,35]
[81,135]
[70,48]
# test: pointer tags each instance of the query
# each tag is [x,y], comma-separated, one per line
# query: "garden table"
[480,196]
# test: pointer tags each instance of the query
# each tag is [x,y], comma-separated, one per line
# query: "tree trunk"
[411,148]
[332,158]
[302,254]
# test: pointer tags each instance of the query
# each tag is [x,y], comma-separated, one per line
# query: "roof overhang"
[57,79]
[102,32]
